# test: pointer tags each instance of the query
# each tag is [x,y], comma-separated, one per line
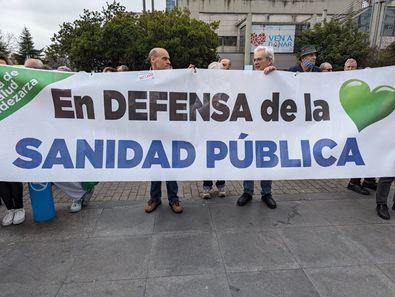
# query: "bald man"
[34,63]
[226,63]
[3,61]
[160,60]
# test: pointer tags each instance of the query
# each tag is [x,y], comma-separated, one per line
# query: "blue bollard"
[43,206]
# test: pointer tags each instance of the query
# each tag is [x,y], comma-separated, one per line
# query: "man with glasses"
[326,67]
[263,61]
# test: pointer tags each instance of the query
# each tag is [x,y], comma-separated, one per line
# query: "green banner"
[19,86]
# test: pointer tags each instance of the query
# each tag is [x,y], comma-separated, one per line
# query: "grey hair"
[122,68]
[64,68]
[215,65]
[269,52]
[322,66]
[351,60]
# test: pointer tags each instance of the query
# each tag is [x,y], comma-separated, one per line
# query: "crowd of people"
[159,59]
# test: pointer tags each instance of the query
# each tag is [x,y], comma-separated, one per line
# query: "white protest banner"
[186,125]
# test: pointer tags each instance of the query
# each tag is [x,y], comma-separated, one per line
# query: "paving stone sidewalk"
[313,245]
[115,191]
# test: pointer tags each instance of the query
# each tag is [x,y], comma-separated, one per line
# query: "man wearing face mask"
[308,57]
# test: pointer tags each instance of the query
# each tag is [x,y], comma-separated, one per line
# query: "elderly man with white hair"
[263,61]
[350,64]
[356,184]
[326,67]
[220,184]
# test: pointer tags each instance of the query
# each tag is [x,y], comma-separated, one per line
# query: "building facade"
[377,18]
[244,24]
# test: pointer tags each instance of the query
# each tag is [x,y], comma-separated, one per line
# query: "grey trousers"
[73,189]
[383,189]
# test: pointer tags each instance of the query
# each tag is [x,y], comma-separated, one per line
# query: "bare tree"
[8,43]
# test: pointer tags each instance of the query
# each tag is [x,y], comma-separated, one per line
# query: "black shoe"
[370,185]
[382,211]
[86,197]
[244,199]
[358,189]
[393,206]
[268,199]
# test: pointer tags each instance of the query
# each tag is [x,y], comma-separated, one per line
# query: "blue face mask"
[308,64]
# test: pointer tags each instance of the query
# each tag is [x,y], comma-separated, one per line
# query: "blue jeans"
[156,191]
[266,187]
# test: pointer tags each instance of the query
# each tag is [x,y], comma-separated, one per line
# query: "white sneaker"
[76,206]
[207,193]
[7,220]
[19,216]
[221,192]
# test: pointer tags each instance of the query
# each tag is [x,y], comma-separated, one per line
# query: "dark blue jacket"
[298,68]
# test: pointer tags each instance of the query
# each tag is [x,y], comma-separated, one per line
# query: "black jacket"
[298,68]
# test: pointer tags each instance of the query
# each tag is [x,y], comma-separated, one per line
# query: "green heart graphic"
[366,107]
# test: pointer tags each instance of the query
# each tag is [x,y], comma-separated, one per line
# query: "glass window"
[389,22]
[363,21]
[227,40]
[300,27]
[230,40]
[242,38]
